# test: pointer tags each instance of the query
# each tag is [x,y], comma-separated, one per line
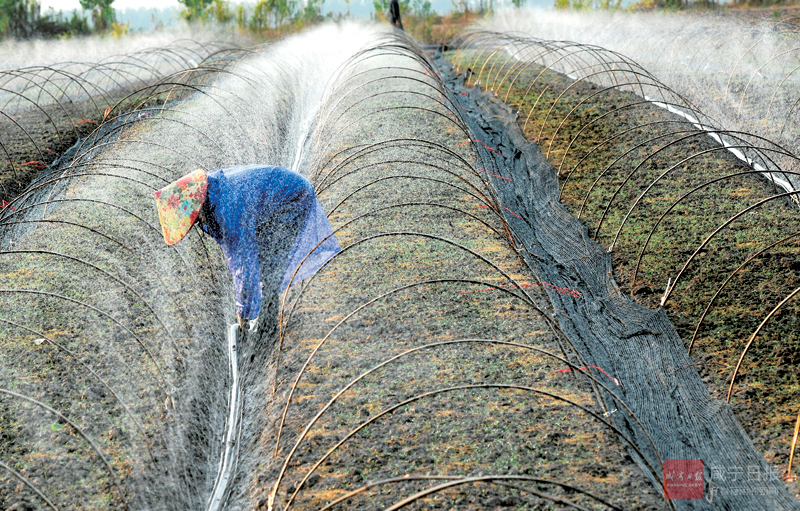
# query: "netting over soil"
[115,379]
[468,347]
[622,161]
[416,354]
[689,225]
[742,73]
[46,109]
[121,334]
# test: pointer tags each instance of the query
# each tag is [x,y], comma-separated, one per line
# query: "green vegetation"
[265,19]
[644,5]
[269,19]
[583,5]
[23,19]
[205,10]
[102,13]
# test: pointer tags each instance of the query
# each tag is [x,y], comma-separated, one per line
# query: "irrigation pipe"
[785,184]
[230,450]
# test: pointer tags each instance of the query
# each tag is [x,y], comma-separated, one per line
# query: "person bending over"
[394,14]
[267,220]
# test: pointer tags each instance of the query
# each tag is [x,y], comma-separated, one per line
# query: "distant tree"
[583,5]
[676,5]
[194,9]
[272,13]
[18,18]
[311,12]
[421,8]
[157,23]
[23,19]
[103,15]
[241,16]
[220,11]
[459,6]
[77,25]
[206,10]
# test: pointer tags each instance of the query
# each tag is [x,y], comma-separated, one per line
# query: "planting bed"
[741,71]
[426,355]
[610,148]
[422,245]
[47,109]
[114,375]
[31,142]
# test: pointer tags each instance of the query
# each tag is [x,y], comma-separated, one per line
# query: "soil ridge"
[639,347]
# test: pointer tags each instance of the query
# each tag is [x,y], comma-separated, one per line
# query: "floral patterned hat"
[179,204]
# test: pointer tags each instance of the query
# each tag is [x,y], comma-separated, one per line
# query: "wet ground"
[478,394]
[32,140]
[422,249]
[604,166]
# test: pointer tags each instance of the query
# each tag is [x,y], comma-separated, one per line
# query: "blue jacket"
[262,216]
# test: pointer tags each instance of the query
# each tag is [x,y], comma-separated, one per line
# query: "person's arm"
[242,256]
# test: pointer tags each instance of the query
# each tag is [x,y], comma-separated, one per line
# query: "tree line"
[24,19]
[269,18]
